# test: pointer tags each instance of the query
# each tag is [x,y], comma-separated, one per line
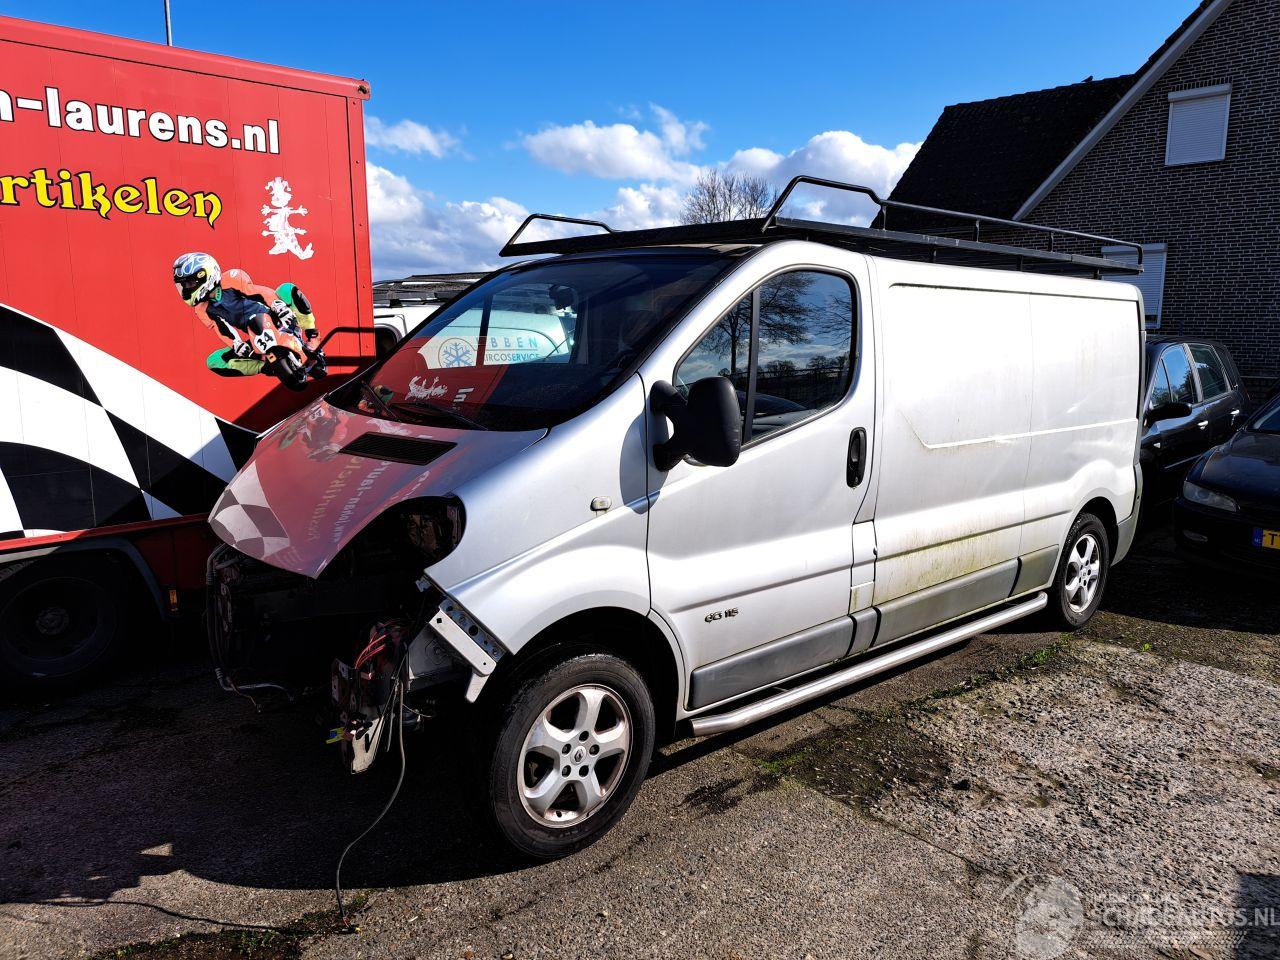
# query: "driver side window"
[786,347]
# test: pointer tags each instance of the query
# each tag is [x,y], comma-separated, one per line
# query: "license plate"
[1266,538]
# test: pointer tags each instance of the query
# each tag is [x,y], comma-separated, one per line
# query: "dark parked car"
[1195,401]
[1229,508]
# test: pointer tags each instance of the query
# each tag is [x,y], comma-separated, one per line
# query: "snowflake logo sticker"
[456,353]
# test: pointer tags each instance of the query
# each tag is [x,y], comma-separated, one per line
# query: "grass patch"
[862,759]
[1048,657]
[270,943]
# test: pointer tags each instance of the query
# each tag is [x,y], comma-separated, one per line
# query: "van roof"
[875,240]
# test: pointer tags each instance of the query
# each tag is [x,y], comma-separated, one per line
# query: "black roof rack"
[876,240]
[422,288]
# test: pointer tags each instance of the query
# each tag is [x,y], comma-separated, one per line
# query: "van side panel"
[1087,363]
[955,443]
[534,551]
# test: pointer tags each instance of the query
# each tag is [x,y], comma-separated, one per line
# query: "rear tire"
[566,754]
[60,621]
[1081,578]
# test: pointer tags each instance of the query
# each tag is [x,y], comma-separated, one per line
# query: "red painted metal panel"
[138,51]
[117,156]
[91,265]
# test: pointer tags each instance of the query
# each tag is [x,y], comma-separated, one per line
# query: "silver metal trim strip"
[733,719]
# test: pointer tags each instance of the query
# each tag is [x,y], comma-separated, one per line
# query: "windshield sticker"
[457,353]
[418,389]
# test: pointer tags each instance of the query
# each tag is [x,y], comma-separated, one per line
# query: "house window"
[1150,281]
[1197,125]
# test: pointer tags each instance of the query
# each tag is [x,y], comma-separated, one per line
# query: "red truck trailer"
[124,409]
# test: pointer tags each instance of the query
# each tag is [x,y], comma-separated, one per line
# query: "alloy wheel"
[1084,570]
[574,755]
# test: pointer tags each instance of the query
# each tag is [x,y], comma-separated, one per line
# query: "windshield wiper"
[428,406]
[376,397]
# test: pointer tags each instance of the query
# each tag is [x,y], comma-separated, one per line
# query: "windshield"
[534,347]
[1268,419]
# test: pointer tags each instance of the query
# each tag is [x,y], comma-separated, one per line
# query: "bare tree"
[719,196]
[785,317]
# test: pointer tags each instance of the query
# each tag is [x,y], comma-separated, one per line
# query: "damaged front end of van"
[394,541]
[327,536]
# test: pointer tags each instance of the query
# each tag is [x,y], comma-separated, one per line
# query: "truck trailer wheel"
[1076,591]
[59,621]
[567,753]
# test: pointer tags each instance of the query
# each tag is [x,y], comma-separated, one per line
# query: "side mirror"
[1168,411]
[707,426]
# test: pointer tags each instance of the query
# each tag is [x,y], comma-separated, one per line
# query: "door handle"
[1203,424]
[856,463]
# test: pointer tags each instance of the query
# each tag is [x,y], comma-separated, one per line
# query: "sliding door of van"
[954,449]
[750,564]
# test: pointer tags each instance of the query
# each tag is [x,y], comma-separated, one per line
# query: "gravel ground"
[1114,793]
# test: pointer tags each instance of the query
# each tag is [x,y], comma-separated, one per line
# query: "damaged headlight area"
[368,621]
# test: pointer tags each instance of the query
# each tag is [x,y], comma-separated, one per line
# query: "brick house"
[1183,155]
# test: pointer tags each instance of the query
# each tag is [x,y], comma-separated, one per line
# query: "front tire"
[567,754]
[1076,592]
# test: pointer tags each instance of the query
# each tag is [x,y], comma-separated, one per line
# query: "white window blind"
[1197,125]
[1150,281]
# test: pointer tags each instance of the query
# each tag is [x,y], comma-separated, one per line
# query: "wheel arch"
[1102,508]
[617,630]
[120,551]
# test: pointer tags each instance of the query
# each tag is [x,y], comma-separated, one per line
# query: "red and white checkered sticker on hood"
[309,488]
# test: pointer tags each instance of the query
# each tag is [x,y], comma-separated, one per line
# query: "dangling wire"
[396,701]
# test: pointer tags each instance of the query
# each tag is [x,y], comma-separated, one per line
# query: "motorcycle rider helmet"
[196,275]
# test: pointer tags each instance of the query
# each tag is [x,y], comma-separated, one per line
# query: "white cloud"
[392,198]
[415,233]
[408,136]
[834,155]
[683,138]
[642,207]
[621,151]
[411,233]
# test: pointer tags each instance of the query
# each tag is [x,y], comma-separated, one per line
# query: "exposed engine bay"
[390,641]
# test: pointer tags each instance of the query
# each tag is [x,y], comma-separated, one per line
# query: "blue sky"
[484,111]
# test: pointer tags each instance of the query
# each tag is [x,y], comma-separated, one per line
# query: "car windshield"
[535,346]
[1268,419]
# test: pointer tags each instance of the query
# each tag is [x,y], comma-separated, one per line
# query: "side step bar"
[712,724]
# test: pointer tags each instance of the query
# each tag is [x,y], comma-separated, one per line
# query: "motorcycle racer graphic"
[262,329]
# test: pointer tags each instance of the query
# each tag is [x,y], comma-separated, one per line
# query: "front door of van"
[744,555]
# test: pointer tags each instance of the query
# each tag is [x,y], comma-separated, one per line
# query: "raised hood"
[320,477]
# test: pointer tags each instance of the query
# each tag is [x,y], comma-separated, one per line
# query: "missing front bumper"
[462,634]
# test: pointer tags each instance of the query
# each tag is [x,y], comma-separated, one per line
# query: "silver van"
[675,481]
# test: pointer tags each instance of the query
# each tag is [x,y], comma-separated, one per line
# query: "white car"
[729,468]
[400,305]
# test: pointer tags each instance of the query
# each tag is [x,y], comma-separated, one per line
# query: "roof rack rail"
[873,239]
[510,244]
